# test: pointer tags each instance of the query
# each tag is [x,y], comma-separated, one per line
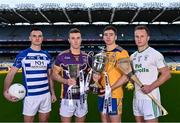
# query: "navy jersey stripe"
[36,79]
[38,86]
[36,72]
[38,93]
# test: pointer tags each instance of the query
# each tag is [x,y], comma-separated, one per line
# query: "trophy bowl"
[74,74]
[73,70]
[98,66]
[99,62]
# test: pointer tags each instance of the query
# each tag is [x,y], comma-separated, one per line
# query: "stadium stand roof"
[70,13]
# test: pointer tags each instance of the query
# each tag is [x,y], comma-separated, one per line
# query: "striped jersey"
[35,65]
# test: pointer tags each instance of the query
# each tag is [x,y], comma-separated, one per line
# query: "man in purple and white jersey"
[36,68]
[62,72]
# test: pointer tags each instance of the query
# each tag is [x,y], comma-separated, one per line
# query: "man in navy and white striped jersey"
[36,68]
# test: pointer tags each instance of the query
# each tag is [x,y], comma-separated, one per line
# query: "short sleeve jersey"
[113,71]
[35,65]
[146,65]
[66,58]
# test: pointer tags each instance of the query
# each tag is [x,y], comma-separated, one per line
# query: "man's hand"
[10,97]
[53,98]
[146,89]
[71,82]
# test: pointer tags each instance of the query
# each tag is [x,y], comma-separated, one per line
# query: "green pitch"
[170,95]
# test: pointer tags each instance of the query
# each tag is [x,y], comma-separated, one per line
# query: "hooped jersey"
[113,71]
[35,65]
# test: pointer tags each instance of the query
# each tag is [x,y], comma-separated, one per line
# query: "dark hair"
[142,27]
[110,28]
[35,29]
[74,30]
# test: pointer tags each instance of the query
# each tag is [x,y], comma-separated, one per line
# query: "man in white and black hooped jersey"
[36,68]
[147,64]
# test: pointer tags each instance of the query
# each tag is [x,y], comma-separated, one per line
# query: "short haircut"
[74,30]
[142,27]
[35,29]
[110,28]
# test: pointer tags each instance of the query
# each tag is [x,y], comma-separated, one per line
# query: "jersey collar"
[143,50]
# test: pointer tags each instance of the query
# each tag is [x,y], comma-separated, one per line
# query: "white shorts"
[34,104]
[76,109]
[146,108]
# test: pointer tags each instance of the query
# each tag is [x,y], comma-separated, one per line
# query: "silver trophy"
[73,70]
[99,62]
[98,65]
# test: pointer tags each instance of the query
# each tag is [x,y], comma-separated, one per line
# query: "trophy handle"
[83,66]
[90,55]
[65,67]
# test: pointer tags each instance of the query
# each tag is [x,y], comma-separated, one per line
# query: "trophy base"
[75,90]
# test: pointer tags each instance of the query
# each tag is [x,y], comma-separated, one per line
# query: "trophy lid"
[100,57]
[99,62]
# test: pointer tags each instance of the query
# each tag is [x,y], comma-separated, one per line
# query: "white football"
[17,90]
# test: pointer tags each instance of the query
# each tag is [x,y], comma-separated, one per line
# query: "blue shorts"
[116,105]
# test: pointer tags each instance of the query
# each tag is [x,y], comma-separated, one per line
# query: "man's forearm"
[8,80]
[52,87]
[122,80]
[58,78]
[162,79]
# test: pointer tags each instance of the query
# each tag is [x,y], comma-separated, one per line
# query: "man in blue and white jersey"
[36,68]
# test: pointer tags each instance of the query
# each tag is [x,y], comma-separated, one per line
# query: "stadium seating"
[164,38]
[89,32]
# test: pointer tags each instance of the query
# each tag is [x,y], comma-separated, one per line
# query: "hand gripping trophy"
[75,71]
[110,65]
[99,66]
